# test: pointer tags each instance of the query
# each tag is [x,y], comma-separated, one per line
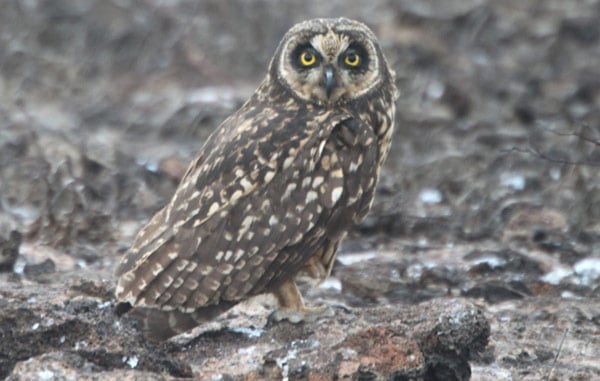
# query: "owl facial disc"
[329,61]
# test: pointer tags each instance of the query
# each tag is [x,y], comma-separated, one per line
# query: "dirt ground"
[479,260]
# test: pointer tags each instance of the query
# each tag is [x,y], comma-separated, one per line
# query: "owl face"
[329,61]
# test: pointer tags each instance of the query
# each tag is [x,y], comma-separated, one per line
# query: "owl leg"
[292,306]
[314,269]
[319,265]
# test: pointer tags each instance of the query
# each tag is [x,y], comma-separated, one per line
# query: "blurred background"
[491,188]
[497,102]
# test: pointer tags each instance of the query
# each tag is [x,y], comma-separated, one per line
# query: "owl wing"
[255,193]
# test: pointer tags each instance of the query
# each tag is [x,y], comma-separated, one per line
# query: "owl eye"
[308,58]
[352,59]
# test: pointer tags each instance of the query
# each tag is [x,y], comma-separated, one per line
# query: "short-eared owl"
[274,189]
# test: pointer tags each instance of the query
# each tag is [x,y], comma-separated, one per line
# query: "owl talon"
[307,314]
[292,308]
[342,307]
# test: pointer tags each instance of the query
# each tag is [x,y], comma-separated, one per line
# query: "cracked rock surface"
[75,334]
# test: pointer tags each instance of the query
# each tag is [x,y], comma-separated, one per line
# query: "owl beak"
[329,80]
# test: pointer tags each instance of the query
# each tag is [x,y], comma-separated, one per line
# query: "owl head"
[330,61]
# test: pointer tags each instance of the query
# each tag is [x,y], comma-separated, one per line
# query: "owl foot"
[292,307]
[307,314]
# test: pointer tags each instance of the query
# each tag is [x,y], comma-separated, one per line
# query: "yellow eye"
[352,59]
[308,58]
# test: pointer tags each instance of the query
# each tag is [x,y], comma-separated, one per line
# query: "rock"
[71,366]
[41,272]
[9,250]
[71,334]
[498,291]
[81,333]
[382,353]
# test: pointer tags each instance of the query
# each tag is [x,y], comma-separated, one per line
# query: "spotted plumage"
[274,189]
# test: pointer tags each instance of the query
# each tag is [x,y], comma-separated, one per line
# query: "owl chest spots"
[353,154]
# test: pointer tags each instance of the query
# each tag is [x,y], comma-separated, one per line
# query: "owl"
[274,189]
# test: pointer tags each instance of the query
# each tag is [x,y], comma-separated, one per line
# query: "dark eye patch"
[296,56]
[355,49]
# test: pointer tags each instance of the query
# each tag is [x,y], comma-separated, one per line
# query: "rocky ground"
[480,259]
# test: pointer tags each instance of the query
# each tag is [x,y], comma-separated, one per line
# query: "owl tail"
[159,325]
